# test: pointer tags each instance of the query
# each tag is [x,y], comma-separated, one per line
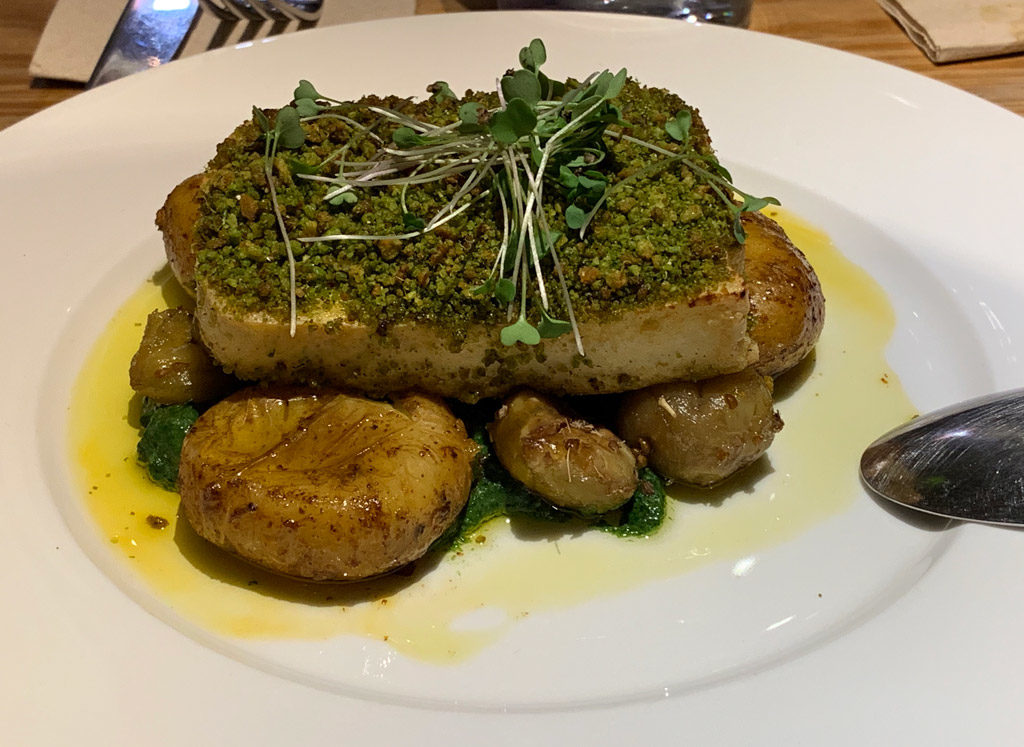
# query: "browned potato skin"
[787,306]
[176,221]
[325,485]
[171,367]
[567,461]
[701,432]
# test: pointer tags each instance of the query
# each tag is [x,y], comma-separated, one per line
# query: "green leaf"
[541,247]
[288,129]
[513,122]
[615,83]
[522,84]
[469,113]
[613,115]
[159,447]
[261,120]
[344,198]
[521,115]
[578,107]
[572,95]
[645,512]
[300,167]
[605,86]
[548,126]
[718,169]
[678,128]
[521,331]
[599,85]
[505,290]
[533,56]
[551,327]
[441,91]
[575,217]
[307,107]
[509,262]
[306,90]
[567,178]
[737,228]
[752,204]
[412,222]
[536,155]
[608,86]
[502,130]
[407,137]
[550,89]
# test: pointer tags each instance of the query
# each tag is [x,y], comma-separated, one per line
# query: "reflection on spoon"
[963,462]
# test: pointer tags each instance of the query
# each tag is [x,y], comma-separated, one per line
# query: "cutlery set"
[150,33]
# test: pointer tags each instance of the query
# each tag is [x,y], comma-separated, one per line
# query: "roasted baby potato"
[176,221]
[324,485]
[171,367]
[565,460]
[701,432]
[787,307]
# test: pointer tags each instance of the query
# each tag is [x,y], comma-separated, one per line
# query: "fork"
[148,35]
[264,10]
[306,11]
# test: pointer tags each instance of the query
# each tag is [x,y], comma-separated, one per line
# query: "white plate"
[915,181]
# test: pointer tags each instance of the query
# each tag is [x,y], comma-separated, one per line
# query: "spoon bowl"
[963,462]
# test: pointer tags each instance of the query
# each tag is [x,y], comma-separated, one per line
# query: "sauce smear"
[448,608]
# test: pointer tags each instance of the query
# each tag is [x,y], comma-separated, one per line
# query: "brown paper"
[951,30]
[77,32]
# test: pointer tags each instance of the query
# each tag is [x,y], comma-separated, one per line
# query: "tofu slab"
[685,340]
[683,330]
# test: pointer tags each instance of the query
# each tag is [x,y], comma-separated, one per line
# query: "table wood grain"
[857,26]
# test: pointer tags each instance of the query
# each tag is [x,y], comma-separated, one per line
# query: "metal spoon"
[963,462]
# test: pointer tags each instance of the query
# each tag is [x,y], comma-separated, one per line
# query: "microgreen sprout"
[544,136]
[288,133]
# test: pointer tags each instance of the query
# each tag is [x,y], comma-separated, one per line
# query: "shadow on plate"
[229,569]
[792,380]
[744,481]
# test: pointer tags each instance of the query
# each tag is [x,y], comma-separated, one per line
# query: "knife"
[148,34]
[964,462]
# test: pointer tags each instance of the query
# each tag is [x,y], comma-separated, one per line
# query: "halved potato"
[325,485]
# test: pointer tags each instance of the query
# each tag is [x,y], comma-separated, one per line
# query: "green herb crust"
[662,234]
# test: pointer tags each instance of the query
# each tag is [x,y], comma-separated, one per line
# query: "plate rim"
[973,541]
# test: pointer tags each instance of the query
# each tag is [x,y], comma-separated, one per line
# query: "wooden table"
[857,26]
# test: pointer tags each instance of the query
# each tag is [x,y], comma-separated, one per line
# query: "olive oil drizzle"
[446,609]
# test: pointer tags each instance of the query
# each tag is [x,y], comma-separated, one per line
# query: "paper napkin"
[951,30]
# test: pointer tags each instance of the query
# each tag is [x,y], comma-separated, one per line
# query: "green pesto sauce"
[659,237]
